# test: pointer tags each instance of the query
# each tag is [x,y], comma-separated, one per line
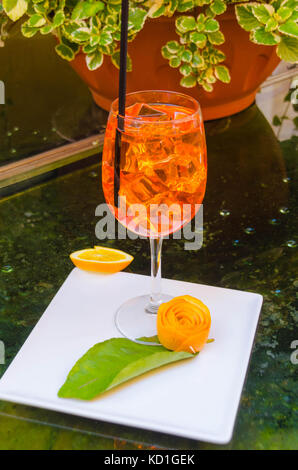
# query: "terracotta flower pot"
[250,64]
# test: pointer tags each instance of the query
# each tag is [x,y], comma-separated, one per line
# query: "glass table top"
[250,243]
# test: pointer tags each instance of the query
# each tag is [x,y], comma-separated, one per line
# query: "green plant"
[94,27]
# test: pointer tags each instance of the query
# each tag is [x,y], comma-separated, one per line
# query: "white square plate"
[197,398]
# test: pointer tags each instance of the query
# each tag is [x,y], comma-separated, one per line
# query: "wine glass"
[157,185]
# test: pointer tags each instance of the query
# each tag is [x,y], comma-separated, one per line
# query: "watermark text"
[182,221]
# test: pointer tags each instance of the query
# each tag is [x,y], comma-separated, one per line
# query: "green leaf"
[210,78]
[172,7]
[218,7]
[188,82]
[47,29]
[185,24]
[109,50]
[260,36]
[217,56]
[105,39]
[69,28]
[94,40]
[211,26]
[72,45]
[207,87]
[30,9]
[271,24]
[200,26]
[246,18]
[287,49]
[192,47]
[110,29]
[112,363]
[293,4]
[197,60]
[59,19]
[65,52]
[283,13]
[115,58]
[290,28]
[288,96]
[198,38]
[175,62]
[36,21]
[165,52]
[80,35]
[156,10]
[41,8]
[95,22]
[222,73]
[185,69]
[86,10]
[15,9]
[186,55]
[136,19]
[216,38]
[173,47]
[185,5]
[28,31]
[94,61]
[111,20]
[201,18]
[262,12]
[88,49]
[276,121]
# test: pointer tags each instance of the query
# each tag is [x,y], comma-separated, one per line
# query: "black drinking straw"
[122,94]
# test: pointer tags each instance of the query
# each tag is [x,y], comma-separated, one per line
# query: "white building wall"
[270,99]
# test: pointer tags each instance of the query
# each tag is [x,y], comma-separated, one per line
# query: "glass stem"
[155,296]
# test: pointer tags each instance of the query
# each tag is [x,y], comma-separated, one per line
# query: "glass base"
[136,318]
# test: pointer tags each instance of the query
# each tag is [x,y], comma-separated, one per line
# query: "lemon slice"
[101,259]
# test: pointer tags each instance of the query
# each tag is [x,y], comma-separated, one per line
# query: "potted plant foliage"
[219,50]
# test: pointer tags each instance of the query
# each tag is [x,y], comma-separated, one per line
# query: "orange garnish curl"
[183,324]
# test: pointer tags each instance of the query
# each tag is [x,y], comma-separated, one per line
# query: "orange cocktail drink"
[162,168]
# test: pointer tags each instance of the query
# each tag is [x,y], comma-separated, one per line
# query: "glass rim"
[197,110]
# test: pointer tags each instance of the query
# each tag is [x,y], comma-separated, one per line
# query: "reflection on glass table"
[46,103]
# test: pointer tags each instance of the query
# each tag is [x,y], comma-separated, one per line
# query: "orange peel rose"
[183,324]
